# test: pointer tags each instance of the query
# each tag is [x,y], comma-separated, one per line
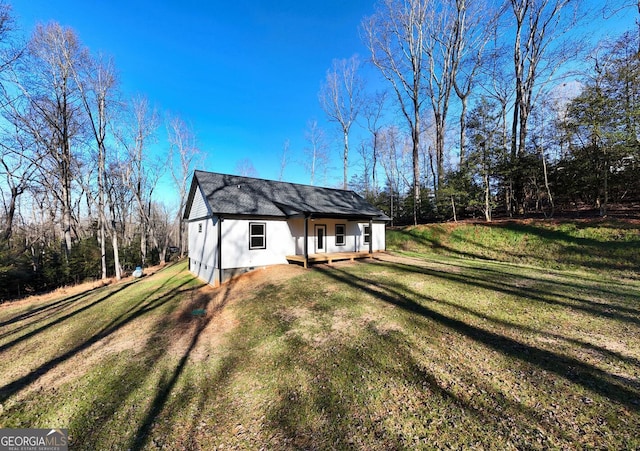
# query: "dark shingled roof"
[246,196]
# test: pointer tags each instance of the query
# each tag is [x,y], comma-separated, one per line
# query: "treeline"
[490,108]
[485,108]
[77,177]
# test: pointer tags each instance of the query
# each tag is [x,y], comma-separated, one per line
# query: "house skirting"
[211,275]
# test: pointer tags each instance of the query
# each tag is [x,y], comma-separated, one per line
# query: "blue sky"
[245,74]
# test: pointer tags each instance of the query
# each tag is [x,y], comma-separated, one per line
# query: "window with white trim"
[367,234]
[341,232]
[257,235]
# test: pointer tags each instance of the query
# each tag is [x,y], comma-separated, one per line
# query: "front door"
[321,238]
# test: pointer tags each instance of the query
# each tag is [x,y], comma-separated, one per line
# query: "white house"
[237,224]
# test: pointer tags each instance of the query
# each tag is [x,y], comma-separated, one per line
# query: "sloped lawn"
[402,352]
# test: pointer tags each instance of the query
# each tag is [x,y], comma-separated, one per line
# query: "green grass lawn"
[404,352]
[609,245]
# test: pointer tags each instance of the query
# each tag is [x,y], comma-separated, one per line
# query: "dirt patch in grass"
[218,320]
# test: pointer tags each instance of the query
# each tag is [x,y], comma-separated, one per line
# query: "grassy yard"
[404,352]
[609,245]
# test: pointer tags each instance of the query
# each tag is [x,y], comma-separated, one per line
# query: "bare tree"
[141,174]
[10,50]
[537,51]
[51,112]
[395,35]
[18,168]
[284,160]
[443,46]
[475,21]
[373,111]
[496,80]
[96,81]
[17,162]
[316,152]
[341,98]
[183,155]
[391,159]
[160,221]
[246,168]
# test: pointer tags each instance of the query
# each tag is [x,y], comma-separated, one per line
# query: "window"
[367,234]
[257,235]
[200,228]
[340,234]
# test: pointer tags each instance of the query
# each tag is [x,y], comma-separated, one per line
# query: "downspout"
[219,250]
[306,240]
[370,235]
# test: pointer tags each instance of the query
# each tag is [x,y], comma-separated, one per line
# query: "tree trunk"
[116,252]
[66,220]
[415,155]
[487,197]
[605,185]
[345,160]
[416,184]
[143,245]
[101,215]
[453,209]
[546,182]
[463,126]
[103,250]
[11,211]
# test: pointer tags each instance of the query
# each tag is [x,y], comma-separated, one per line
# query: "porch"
[328,257]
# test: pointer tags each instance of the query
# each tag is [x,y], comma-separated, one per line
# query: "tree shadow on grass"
[312,408]
[76,302]
[145,305]
[56,321]
[493,413]
[354,393]
[169,380]
[604,253]
[619,389]
[509,284]
[562,279]
[438,246]
[532,331]
[47,309]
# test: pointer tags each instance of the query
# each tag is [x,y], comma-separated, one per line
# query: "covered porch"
[328,257]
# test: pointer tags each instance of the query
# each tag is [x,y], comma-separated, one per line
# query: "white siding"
[199,208]
[203,255]
[354,239]
[235,244]
[296,227]
[282,238]
[379,236]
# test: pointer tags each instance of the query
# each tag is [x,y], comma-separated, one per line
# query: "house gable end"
[199,206]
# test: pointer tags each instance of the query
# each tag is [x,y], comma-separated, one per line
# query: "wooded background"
[480,109]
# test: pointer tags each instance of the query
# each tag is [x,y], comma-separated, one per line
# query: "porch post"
[370,235]
[220,273]
[306,240]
